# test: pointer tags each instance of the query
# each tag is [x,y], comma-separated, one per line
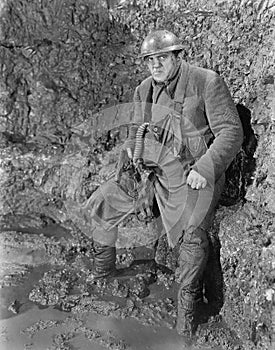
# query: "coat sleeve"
[226,126]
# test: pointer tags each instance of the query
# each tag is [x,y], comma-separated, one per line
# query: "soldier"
[191,132]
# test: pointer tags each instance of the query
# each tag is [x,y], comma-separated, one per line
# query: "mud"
[74,326]
[52,273]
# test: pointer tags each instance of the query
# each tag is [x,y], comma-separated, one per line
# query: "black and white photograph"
[137,174]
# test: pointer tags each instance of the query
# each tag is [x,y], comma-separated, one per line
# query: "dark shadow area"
[240,172]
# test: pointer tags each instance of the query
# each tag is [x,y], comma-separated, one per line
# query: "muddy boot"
[193,255]
[213,278]
[104,261]
[186,314]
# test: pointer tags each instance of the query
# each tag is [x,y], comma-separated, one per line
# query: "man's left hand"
[195,180]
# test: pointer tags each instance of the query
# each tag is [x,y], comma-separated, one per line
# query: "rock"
[14,307]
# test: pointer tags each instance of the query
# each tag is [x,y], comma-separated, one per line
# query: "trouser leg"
[192,261]
[102,212]
[103,236]
[213,278]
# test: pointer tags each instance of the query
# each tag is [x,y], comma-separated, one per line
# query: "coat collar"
[176,86]
[178,89]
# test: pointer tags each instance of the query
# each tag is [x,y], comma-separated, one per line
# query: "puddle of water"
[141,337]
[13,339]
[20,292]
[51,230]
[137,337]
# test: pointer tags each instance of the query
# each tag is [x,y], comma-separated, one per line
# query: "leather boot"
[213,278]
[188,305]
[104,261]
[186,314]
[192,260]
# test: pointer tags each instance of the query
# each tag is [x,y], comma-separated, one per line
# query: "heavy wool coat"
[210,125]
[193,124]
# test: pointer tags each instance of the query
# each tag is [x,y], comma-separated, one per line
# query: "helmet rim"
[164,50]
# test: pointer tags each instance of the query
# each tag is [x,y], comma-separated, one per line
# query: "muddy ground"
[48,300]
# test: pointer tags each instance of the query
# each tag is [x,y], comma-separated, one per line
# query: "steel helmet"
[160,41]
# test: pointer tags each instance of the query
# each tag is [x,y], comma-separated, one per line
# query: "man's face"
[161,66]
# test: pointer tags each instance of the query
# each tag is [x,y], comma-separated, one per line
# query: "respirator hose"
[139,142]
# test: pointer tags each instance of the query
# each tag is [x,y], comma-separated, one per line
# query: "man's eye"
[148,59]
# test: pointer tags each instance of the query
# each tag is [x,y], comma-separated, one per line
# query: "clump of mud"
[53,288]
[74,290]
[217,333]
[38,326]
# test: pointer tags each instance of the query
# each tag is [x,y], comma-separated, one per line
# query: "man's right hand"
[196,181]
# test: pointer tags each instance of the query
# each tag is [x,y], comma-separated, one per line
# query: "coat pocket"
[195,146]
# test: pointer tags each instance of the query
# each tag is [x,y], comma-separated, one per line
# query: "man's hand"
[195,180]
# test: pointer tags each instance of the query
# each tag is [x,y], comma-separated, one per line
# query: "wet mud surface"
[49,301]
